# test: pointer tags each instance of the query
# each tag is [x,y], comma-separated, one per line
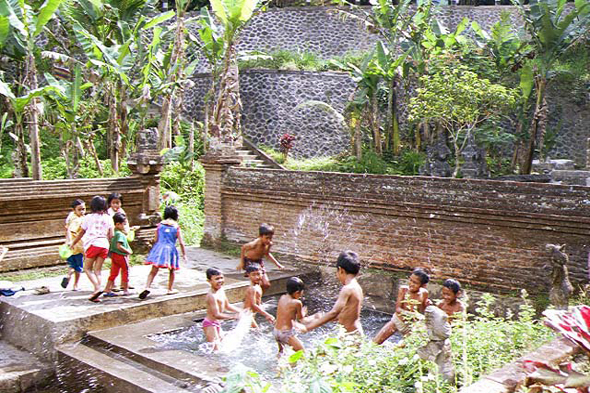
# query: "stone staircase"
[253,157]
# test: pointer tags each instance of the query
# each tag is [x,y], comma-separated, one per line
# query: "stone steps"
[250,159]
[107,371]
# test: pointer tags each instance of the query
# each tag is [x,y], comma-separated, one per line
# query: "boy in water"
[253,298]
[410,298]
[350,299]
[254,251]
[217,304]
[289,311]
[449,303]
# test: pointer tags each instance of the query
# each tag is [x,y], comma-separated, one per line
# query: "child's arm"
[229,307]
[301,312]
[242,264]
[399,303]
[81,233]
[215,312]
[251,299]
[333,313]
[122,248]
[269,255]
[181,243]
[425,301]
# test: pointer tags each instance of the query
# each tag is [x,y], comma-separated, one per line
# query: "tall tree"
[225,122]
[552,29]
[26,23]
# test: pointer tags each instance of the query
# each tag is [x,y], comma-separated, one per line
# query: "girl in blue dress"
[164,253]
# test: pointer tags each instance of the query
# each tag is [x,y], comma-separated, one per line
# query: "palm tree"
[225,123]
[552,31]
[23,24]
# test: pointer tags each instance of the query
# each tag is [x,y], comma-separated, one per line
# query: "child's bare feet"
[172,292]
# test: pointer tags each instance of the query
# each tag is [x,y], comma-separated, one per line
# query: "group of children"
[291,315]
[104,233]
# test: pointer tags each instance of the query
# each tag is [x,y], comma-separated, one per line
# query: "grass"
[297,61]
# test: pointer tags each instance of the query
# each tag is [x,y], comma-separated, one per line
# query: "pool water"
[258,349]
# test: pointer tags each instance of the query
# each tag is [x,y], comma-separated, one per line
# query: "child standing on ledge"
[96,231]
[254,251]
[120,252]
[76,260]
[217,304]
[164,253]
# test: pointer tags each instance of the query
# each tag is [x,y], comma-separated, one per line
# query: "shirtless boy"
[217,304]
[254,251]
[289,311]
[410,298]
[253,299]
[449,303]
[350,299]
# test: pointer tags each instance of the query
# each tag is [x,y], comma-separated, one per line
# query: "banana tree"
[25,23]
[225,122]
[552,30]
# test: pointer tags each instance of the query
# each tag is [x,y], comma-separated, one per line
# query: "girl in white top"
[96,232]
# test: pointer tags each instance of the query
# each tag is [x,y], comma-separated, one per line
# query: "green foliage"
[188,183]
[292,60]
[55,168]
[348,363]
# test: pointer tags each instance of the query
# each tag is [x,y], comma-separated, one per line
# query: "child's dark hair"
[349,261]
[252,268]
[453,285]
[213,272]
[98,204]
[77,202]
[114,195]
[294,284]
[119,218]
[171,212]
[422,275]
[266,229]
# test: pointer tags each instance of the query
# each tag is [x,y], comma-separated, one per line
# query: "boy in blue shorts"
[76,260]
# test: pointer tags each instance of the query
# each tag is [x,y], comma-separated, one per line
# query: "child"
[289,310]
[253,298]
[120,252]
[115,202]
[96,231]
[450,304]
[76,260]
[164,253]
[410,298]
[350,299]
[254,251]
[217,304]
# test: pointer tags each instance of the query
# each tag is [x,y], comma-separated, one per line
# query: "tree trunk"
[191,144]
[538,125]
[358,139]
[21,167]
[123,123]
[33,115]
[375,124]
[457,157]
[228,106]
[92,150]
[114,130]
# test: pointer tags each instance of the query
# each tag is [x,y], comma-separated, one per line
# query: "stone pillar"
[216,163]
[146,164]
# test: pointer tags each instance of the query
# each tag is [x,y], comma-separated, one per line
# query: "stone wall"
[278,102]
[487,234]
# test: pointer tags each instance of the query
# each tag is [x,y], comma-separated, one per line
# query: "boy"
[350,299]
[253,298]
[120,252]
[76,260]
[254,251]
[289,310]
[449,303]
[410,298]
[217,304]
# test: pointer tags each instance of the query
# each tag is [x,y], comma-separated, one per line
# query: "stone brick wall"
[274,103]
[487,234]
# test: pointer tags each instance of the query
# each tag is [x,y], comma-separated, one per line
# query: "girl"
[164,254]
[96,231]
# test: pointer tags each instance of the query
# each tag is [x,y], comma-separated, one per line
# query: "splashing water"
[317,235]
[234,337]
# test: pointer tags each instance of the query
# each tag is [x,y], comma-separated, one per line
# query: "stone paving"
[62,311]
